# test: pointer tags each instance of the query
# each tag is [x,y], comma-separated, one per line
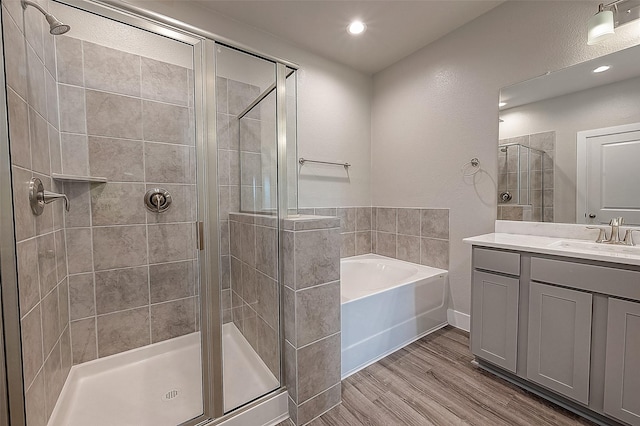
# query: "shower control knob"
[157,200]
[506,196]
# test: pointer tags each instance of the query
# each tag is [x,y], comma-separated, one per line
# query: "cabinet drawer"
[599,279]
[497,261]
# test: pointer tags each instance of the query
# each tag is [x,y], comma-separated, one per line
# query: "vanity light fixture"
[600,25]
[602,68]
[356,27]
[610,16]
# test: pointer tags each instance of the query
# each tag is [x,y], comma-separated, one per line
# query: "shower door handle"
[200,242]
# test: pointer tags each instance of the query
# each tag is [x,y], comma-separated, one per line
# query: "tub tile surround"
[41,246]
[416,235]
[311,305]
[133,273]
[253,292]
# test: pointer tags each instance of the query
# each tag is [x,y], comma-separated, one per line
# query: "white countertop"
[559,247]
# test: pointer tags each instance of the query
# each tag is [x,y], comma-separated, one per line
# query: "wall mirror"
[569,143]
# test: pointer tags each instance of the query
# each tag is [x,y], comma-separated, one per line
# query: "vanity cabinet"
[567,329]
[622,368]
[559,344]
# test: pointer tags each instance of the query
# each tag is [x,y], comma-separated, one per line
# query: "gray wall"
[437,109]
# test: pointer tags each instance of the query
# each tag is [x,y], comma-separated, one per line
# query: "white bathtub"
[387,304]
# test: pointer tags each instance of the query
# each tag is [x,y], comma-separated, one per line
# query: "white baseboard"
[459,319]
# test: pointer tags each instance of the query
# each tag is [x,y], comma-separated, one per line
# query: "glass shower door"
[248,187]
[109,290]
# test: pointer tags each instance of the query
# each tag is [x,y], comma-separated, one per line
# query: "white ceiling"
[395,29]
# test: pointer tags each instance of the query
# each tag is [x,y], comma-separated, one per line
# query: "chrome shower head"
[55,26]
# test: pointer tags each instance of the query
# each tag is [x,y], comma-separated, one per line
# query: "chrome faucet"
[615,224]
[614,237]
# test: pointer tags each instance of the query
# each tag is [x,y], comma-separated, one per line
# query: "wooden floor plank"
[432,382]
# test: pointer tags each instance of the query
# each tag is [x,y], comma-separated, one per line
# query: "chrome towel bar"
[304,160]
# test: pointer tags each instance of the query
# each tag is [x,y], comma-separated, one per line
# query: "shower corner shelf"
[75,178]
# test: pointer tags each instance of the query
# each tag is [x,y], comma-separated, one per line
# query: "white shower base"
[246,376]
[159,384]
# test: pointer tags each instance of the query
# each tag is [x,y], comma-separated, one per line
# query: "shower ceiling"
[395,29]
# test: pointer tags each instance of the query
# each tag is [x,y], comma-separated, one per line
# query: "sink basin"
[610,249]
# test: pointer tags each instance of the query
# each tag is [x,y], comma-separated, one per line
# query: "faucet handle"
[628,236]
[602,235]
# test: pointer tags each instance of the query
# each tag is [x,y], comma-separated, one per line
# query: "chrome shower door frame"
[11,382]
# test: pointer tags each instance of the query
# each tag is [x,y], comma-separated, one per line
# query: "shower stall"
[520,182]
[155,298]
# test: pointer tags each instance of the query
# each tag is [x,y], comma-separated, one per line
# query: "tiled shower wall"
[232,98]
[254,284]
[132,273]
[41,253]
[413,235]
[541,182]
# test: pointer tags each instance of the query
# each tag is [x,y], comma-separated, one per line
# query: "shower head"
[55,26]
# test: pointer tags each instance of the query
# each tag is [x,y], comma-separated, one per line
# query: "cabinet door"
[559,343]
[622,371]
[494,321]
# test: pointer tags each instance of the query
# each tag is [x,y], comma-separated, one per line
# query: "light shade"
[600,27]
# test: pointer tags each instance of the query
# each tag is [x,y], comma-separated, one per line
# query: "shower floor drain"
[171,395]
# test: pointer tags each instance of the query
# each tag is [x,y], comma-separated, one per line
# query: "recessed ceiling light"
[602,68]
[356,27]
[501,104]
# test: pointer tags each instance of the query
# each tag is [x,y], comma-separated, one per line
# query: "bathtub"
[387,304]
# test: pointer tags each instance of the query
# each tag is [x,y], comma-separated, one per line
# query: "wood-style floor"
[432,382]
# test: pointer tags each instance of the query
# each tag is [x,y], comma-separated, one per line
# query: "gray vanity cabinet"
[567,329]
[622,368]
[495,319]
[494,309]
[559,344]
